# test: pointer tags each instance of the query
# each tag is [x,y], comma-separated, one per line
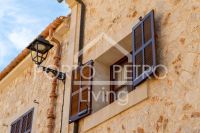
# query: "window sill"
[134,97]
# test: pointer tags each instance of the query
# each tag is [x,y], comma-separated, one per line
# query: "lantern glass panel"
[40,47]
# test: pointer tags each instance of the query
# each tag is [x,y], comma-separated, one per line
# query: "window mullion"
[145,45]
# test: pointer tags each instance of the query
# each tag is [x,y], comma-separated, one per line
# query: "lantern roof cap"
[40,40]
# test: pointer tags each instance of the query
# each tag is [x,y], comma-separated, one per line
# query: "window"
[114,72]
[23,124]
[81,90]
[120,77]
[143,43]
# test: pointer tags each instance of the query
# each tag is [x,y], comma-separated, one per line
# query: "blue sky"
[21,21]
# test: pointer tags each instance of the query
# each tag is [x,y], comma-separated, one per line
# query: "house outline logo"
[111,41]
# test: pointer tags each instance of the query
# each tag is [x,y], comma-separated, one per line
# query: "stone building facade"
[158,105]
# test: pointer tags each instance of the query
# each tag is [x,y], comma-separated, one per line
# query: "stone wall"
[174,102]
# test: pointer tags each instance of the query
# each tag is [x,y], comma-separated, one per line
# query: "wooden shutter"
[81,92]
[143,43]
[23,124]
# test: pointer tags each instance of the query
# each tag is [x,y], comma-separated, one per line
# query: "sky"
[23,20]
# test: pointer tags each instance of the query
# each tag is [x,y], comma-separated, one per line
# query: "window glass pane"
[138,64]
[138,38]
[148,56]
[74,104]
[147,29]
[118,78]
[129,71]
[121,74]
[124,72]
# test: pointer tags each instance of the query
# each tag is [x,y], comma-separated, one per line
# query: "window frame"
[135,81]
[21,120]
[145,74]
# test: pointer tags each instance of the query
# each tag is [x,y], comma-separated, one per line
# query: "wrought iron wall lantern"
[39,51]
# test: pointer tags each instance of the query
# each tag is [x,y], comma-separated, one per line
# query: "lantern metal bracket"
[59,75]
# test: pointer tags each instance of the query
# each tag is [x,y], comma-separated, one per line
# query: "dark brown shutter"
[81,98]
[143,49]
[23,124]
